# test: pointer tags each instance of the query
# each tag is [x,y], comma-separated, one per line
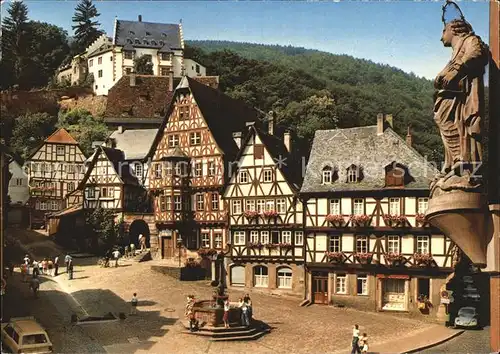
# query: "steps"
[234,333]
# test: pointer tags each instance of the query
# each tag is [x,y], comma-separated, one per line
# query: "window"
[70,168]
[129,54]
[236,207]
[198,169]
[157,170]
[299,238]
[353,174]
[215,201]
[99,73]
[60,150]
[362,285]
[237,275]
[341,284]
[168,203]
[286,237]
[281,206]
[258,152]
[99,60]
[264,237]
[217,240]
[423,204]
[165,56]
[43,205]
[138,170]
[149,57]
[177,203]
[393,244]
[285,278]
[335,207]
[71,186]
[106,192]
[199,201]
[275,236]
[178,169]
[163,206]
[423,244]
[254,236]
[334,245]
[327,175]
[269,205]
[183,112]
[361,244]
[239,237]
[54,205]
[19,181]
[168,168]
[91,62]
[128,71]
[358,207]
[205,240]
[261,205]
[12,333]
[173,140]
[34,167]
[243,177]
[250,205]
[268,175]
[211,168]
[197,69]
[91,193]
[260,277]
[195,138]
[164,71]
[394,206]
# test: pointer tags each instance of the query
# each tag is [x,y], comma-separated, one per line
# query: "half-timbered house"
[54,170]
[367,245]
[265,214]
[191,157]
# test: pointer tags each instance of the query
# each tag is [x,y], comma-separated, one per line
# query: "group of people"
[47,266]
[359,342]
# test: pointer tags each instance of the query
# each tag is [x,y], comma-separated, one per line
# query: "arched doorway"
[137,228]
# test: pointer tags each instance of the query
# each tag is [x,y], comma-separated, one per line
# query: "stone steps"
[235,333]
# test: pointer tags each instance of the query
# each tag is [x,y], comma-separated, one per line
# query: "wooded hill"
[310,89]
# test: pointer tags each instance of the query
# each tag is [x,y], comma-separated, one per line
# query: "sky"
[404,34]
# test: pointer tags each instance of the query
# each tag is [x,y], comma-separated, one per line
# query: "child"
[134,302]
[225,318]
[364,348]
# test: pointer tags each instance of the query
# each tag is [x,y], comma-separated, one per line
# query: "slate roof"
[149,34]
[361,146]
[135,143]
[61,136]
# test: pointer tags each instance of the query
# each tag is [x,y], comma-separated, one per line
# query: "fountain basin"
[463,217]
[205,312]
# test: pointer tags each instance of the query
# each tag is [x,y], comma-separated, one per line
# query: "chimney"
[237,139]
[287,140]
[388,119]
[271,123]
[380,124]
[171,81]
[249,124]
[132,80]
[409,137]
[120,129]
[139,18]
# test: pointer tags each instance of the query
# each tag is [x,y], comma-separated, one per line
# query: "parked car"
[467,317]
[25,335]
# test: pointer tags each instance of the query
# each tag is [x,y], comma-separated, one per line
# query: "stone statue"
[459,105]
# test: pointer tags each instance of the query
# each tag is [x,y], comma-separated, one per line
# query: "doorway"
[320,287]
[138,227]
[423,287]
[393,296]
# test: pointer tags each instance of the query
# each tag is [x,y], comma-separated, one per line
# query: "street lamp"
[179,245]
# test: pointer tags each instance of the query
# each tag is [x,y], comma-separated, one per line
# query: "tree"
[83,127]
[103,227]
[15,46]
[143,65]
[86,28]
[30,130]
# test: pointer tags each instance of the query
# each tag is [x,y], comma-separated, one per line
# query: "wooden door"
[167,247]
[320,288]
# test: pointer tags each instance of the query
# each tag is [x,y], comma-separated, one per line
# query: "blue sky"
[404,34]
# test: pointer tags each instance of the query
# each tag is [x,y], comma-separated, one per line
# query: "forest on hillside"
[310,89]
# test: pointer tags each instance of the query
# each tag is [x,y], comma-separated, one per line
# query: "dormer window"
[129,41]
[354,174]
[164,34]
[132,33]
[162,42]
[327,177]
[397,175]
[148,33]
[153,43]
[145,41]
[137,41]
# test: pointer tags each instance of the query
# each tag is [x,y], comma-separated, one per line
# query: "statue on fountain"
[457,202]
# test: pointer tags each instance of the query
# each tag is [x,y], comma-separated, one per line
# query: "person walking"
[132,249]
[70,269]
[27,261]
[50,267]
[66,261]
[244,313]
[189,313]
[44,266]
[56,266]
[36,269]
[116,256]
[24,272]
[34,286]
[142,242]
[225,317]
[355,340]
[248,301]
[134,302]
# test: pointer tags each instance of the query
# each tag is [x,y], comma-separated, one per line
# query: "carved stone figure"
[459,100]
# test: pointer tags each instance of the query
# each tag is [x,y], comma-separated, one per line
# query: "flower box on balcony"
[361,220]
[255,245]
[364,258]
[335,220]
[285,246]
[395,220]
[394,259]
[207,252]
[420,219]
[270,214]
[250,214]
[271,246]
[335,257]
[423,259]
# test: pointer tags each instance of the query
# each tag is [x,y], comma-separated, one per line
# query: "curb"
[441,341]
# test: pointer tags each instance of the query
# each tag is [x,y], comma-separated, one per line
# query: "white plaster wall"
[18,184]
[102,84]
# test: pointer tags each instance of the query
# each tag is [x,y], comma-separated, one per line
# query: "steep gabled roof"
[362,147]
[148,34]
[61,136]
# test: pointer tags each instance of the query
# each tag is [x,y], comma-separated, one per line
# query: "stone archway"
[138,227]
